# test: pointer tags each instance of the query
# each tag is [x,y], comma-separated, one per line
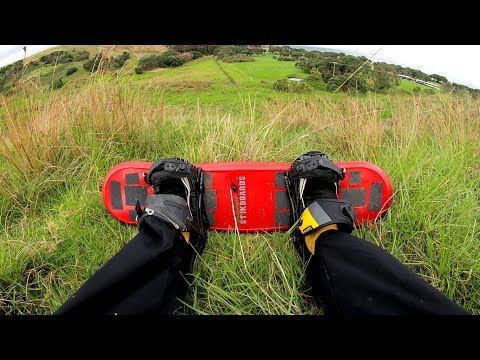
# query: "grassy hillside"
[110,50]
[57,146]
[206,79]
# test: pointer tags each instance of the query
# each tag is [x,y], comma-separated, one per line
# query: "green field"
[203,81]
[410,85]
[57,146]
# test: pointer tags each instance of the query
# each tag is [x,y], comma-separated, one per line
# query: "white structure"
[430,85]
[405,77]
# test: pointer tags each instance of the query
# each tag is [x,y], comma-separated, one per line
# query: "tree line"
[357,73]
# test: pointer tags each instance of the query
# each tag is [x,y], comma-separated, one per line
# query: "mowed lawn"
[264,70]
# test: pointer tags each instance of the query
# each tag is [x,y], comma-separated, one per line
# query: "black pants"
[348,276]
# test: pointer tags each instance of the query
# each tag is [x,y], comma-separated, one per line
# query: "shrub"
[65,58]
[70,71]
[429,91]
[399,91]
[81,55]
[61,57]
[196,54]
[138,71]
[286,58]
[281,85]
[417,90]
[10,73]
[317,84]
[229,52]
[148,62]
[95,63]
[120,60]
[237,58]
[170,59]
[187,56]
[166,59]
[290,86]
[57,83]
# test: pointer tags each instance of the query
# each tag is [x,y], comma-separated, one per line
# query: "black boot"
[313,183]
[178,201]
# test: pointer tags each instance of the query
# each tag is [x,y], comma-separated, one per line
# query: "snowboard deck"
[249,196]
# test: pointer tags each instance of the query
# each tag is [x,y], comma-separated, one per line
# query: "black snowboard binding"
[312,183]
[178,200]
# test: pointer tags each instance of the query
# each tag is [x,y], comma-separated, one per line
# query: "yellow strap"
[307,221]
[186,236]
[311,238]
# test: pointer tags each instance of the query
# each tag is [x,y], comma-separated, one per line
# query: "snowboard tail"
[249,196]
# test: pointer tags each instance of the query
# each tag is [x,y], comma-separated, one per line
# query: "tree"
[354,84]
[438,78]
[383,81]
[203,49]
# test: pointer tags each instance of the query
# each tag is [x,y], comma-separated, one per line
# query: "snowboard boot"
[177,199]
[312,183]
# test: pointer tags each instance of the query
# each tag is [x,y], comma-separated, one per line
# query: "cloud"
[11,53]
[7,50]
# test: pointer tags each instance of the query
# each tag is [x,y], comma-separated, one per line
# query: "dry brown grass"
[55,148]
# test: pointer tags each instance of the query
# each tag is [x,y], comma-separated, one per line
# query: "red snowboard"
[250,196]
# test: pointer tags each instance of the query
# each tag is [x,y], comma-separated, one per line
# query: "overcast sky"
[11,53]
[458,63]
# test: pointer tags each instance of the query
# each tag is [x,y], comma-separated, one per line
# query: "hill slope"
[109,50]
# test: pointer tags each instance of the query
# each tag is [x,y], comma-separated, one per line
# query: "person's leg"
[144,277]
[150,271]
[351,276]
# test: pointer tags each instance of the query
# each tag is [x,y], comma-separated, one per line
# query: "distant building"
[405,77]
[295,79]
[430,85]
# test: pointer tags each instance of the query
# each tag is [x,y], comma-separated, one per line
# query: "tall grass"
[56,147]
